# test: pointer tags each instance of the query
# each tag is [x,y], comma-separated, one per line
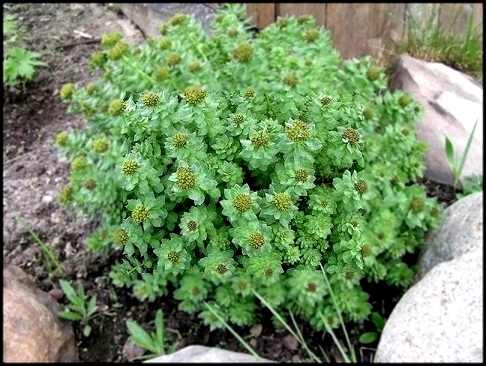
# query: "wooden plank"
[261,14]
[318,10]
[389,27]
[453,18]
[478,15]
[359,29]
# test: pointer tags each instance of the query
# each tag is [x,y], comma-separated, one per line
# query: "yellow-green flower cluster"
[100,145]
[368,113]
[260,139]
[281,201]
[185,179]
[249,93]
[97,59]
[91,88]
[62,138]
[194,94]
[326,100]
[140,214]
[238,119]
[361,186]
[116,107]
[242,202]
[67,91]
[66,194]
[298,131]
[162,73]
[78,163]
[173,59]
[177,19]
[165,43]
[110,39]
[243,52]
[291,79]
[90,184]
[179,140]
[120,237]
[417,205]
[311,35]
[117,51]
[150,99]
[301,175]
[350,136]
[194,66]
[129,166]
[174,257]
[256,240]
[373,73]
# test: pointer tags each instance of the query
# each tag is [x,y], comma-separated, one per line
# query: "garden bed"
[34,175]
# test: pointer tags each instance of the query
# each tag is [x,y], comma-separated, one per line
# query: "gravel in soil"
[33,175]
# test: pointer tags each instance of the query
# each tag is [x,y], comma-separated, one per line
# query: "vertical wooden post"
[262,14]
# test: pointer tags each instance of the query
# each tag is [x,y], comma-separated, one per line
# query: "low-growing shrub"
[232,162]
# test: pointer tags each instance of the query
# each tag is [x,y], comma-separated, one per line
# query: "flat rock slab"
[150,16]
[202,354]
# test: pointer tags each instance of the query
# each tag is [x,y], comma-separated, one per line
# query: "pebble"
[290,342]
[56,293]
[47,199]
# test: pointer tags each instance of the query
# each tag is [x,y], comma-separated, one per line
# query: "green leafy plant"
[18,63]
[458,166]
[154,342]
[471,184]
[80,308]
[231,162]
[370,337]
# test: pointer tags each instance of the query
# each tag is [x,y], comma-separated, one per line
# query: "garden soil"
[66,34]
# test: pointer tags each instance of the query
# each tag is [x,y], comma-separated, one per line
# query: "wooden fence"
[360,29]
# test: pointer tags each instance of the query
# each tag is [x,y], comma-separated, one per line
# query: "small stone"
[47,199]
[290,342]
[253,342]
[296,359]
[131,351]
[69,250]
[56,293]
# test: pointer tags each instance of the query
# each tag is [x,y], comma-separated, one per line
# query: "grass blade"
[140,336]
[46,251]
[350,346]
[159,331]
[237,336]
[466,151]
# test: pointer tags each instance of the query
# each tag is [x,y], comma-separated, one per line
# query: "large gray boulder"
[451,240]
[440,318]
[453,102]
[202,354]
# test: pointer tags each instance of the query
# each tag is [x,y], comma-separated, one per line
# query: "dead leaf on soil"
[256,330]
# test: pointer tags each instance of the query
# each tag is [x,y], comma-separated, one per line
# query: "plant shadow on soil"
[33,173]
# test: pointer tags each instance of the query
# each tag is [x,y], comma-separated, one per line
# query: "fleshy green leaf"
[369,337]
